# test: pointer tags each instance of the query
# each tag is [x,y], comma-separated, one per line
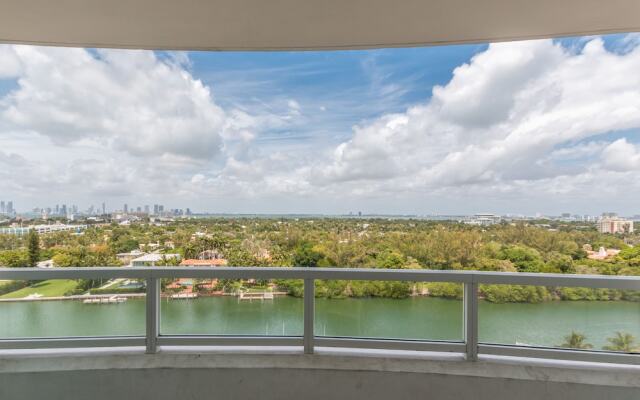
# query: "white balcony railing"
[470,279]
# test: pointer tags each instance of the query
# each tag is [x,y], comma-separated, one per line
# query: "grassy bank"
[50,288]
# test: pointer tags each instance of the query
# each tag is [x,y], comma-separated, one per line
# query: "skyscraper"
[104,208]
[2,209]
[9,209]
[146,209]
[126,208]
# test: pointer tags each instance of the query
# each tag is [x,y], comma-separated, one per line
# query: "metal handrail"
[469,279]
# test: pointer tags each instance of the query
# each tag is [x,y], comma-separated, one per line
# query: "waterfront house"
[154,259]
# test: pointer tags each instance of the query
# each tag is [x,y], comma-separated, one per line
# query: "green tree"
[576,340]
[306,256]
[33,247]
[621,342]
[525,259]
[14,258]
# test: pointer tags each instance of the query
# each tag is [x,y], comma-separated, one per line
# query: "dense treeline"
[375,243]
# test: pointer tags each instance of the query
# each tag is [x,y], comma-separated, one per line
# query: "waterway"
[543,324]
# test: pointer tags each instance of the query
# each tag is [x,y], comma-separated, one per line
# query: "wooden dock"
[255,296]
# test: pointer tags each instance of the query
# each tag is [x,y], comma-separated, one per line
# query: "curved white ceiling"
[304,24]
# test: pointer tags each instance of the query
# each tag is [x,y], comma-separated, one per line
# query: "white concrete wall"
[280,376]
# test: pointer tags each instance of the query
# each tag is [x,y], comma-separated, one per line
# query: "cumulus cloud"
[622,156]
[10,65]
[519,121]
[499,119]
[133,101]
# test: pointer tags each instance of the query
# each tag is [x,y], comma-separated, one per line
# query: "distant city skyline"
[158,209]
[523,127]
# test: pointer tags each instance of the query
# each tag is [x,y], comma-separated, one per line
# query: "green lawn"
[50,288]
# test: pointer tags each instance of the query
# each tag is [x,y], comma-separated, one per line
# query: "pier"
[255,296]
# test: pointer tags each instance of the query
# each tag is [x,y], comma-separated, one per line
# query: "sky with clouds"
[543,126]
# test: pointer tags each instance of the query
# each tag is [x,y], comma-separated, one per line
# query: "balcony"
[302,352]
[148,347]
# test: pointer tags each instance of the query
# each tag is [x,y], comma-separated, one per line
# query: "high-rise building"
[2,207]
[126,208]
[9,209]
[104,208]
[155,209]
[160,208]
[615,225]
[146,209]
[63,209]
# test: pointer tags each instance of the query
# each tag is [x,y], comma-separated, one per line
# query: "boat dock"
[183,296]
[105,300]
[255,296]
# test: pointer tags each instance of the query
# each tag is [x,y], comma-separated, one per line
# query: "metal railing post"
[309,308]
[471,320]
[153,314]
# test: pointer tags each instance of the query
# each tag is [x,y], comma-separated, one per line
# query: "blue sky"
[354,86]
[450,129]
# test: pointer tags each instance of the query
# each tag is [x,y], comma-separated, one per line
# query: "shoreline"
[122,295]
[285,294]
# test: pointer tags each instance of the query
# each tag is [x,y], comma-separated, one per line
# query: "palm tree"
[576,341]
[621,342]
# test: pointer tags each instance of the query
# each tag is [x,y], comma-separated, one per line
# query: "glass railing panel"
[72,307]
[231,307]
[389,310]
[577,318]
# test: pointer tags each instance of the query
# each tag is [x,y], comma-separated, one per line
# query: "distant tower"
[126,208]
[2,209]
[104,208]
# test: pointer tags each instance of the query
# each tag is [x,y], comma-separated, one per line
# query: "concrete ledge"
[329,359]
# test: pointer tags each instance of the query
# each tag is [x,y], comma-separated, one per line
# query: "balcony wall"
[286,374]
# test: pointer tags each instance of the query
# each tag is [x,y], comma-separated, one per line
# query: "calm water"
[542,324]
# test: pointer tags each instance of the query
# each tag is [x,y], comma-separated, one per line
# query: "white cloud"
[132,101]
[10,64]
[497,120]
[520,123]
[622,156]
